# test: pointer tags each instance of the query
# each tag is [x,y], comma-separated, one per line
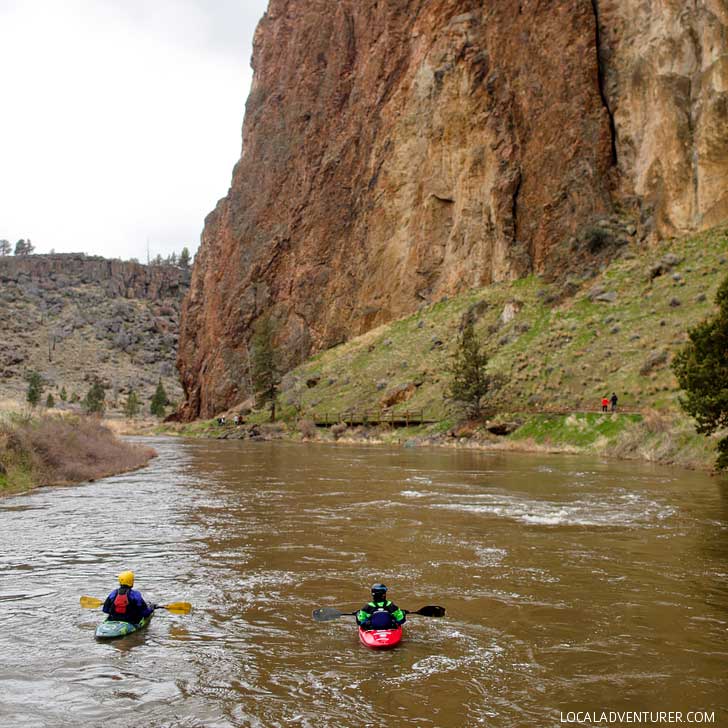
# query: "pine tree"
[469,382]
[50,402]
[132,405]
[266,370]
[701,368]
[95,401]
[20,247]
[184,258]
[35,389]
[159,401]
[63,395]
[5,247]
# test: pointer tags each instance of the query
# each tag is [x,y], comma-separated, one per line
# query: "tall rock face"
[665,80]
[395,151]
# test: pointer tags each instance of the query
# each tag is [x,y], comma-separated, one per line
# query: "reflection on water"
[570,584]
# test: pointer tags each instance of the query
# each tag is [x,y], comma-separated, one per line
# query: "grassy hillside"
[560,348]
[563,348]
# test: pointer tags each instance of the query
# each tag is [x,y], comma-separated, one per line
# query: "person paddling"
[380,613]
[125,604]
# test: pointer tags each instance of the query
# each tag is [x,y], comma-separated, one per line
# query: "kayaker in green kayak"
[380,613]
[125,604]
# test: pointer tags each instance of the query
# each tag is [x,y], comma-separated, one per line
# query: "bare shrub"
[338,430]
[61,450]
[307,428]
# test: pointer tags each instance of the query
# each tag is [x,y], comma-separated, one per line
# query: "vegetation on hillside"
[55,450]
[265,367]
[701,368]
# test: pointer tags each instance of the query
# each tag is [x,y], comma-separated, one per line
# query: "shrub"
[307,428]
[60,450]
[338,430]
[597,238]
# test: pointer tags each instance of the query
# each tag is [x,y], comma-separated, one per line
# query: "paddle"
[174,607]
[326,614]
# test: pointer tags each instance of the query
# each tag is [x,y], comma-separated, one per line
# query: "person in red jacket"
[605,404]
[125,604]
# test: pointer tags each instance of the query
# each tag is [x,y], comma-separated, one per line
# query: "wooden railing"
[354,418]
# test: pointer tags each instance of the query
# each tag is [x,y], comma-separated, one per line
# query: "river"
[570,584]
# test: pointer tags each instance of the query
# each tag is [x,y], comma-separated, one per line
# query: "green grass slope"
[560,348]
[558,351]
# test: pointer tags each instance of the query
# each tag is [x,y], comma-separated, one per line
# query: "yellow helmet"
[126,578]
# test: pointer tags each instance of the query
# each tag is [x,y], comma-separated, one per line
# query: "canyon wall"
[395,151]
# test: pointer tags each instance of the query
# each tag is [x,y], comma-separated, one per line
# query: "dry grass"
[53,450]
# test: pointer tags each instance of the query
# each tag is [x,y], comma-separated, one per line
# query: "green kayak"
[110,628]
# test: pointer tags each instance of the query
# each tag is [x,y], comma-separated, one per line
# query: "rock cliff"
[75,318]
[395,151]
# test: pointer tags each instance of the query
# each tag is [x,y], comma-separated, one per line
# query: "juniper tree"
[132,405]
[701,368]
[35,389]
[159,401]
[469,382]
[266,369]
[95,401]
[50,402]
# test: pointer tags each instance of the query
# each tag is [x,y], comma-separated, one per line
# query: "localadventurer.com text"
[618,717]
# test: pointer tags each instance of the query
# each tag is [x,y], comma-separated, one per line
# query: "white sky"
[120,120]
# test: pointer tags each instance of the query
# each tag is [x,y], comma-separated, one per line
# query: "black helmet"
[379,592]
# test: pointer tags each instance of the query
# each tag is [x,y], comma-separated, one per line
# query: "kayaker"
[125,604]
[380,613]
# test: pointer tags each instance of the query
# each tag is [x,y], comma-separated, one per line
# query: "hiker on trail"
[605,404]
[125,604]
[380,613]
[614,401]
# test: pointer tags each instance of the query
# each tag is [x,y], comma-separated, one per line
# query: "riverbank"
[664,438]
[58,450]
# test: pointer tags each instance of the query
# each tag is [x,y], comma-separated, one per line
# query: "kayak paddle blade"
[430,611]
[177,607]
[90,603]
[325,614]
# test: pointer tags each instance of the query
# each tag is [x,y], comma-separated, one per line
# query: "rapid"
[571,584]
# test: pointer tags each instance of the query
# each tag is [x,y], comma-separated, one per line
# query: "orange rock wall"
[395,151]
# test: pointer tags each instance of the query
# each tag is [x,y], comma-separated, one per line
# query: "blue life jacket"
[382,620]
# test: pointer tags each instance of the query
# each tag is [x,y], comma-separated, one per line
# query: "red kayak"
[380,638]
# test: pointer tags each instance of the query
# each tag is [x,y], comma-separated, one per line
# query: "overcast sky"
[120,120]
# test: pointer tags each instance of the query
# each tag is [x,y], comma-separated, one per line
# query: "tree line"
[95,400]
[25,247]
[22,247]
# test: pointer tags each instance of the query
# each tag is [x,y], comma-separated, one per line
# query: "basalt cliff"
[397,151]
[76,319]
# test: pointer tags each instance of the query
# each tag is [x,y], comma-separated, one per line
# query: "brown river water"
[570,585]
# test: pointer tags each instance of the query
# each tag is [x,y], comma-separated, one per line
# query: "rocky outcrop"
[398,151]
[126,279]
[75,319]
[665,82]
